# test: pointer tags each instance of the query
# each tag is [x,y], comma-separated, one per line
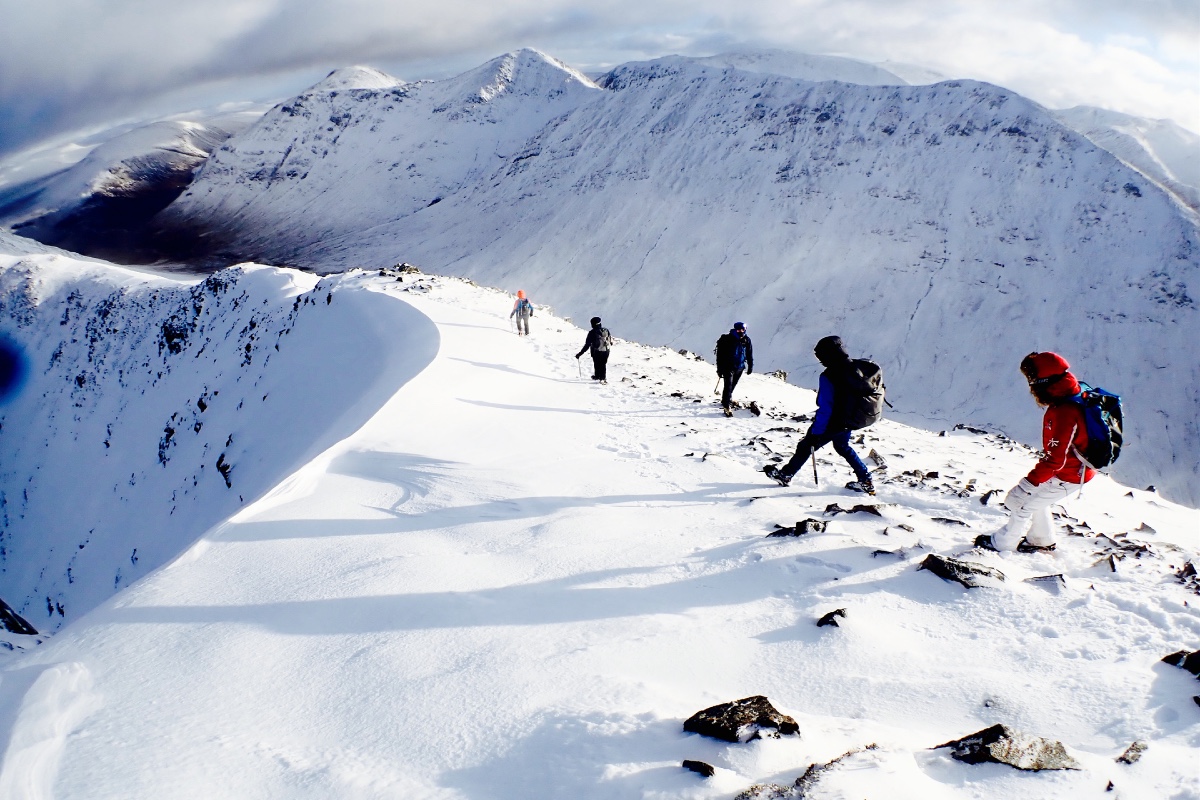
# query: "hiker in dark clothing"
[735,353]
[832,421]
[599,341]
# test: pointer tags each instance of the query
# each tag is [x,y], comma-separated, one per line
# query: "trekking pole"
[717,386]
[816,480]
[578,368]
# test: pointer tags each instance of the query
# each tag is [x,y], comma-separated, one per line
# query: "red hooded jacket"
[1064,430]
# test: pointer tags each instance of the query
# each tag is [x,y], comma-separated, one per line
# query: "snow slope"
[509,582]
[944,230]
[1158,148]
[806,66]
[171,403]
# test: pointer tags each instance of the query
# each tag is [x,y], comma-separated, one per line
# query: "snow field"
[512,583]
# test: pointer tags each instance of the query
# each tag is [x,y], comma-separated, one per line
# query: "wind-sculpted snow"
[157,408]
[512,582]
[944,230]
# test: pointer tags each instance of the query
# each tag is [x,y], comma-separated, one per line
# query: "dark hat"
[595,321]
[830,350]
[739,326]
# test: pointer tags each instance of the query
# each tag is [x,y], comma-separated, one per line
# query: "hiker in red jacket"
[1060,470]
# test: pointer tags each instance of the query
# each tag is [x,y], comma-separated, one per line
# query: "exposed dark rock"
[833,509]
[802,527]
[1188,576]
[968,573]
[904,527]
[877,553]
[988,495]
[803,785]
[950,521]
[1051,583]
[1132,753]
[1002,745]
[831,618]
[755,410]
[699,767]
[14,622]
[740,721]
[1185,660]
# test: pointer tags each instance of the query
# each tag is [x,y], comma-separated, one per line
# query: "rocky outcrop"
[14,622]
[1185,660]
[699,767]
[968,573]
[1001,745]
[831,618]
[741,721]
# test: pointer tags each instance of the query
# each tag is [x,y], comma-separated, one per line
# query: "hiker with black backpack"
[522,310]
[735,354]
[1081,430]
[600,342]
[850,396]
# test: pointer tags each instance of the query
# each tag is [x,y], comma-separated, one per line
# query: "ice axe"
[816,480]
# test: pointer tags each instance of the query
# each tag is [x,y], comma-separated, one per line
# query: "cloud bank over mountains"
[68,65]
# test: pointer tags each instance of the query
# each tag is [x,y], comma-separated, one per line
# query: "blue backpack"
[1102,415]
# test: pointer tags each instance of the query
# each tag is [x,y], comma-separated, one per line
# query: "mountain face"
[943,230]
[1159,149]
[174,402]
[100,204]
[363,144]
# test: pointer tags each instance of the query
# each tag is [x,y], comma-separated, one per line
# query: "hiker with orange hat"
[522,310]
[1060,471]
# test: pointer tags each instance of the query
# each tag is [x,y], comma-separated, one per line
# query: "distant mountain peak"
[357,77]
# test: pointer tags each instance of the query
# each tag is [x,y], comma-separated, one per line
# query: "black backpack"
[606,341]
[1102,415]
[863,402]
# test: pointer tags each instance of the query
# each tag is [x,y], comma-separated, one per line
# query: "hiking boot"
[1026,547]
[866,487]
[984,542]
[728,412]
[774,474]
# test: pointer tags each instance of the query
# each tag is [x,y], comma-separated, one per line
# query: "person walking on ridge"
[600,342]
[735,353]
[836,400]
[1060,471]
[522,310]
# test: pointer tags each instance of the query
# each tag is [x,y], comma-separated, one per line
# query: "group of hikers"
[1081,427]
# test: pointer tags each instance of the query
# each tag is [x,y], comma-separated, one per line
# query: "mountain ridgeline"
[944,230]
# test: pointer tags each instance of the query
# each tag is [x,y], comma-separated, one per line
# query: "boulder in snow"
[1002,745]
[831,618]
[1132,753]
[802,527]
[741,720]
[1184,659]
[699,767]
[968,573]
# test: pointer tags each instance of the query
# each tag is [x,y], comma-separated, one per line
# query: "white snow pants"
[1029,513]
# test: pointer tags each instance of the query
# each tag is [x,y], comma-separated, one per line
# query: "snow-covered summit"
[357,77]
[806,66]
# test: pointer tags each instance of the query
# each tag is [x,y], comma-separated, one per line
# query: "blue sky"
[71,64]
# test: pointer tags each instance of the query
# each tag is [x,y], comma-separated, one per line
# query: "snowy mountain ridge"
[944,230]
[172,401]
[557,572]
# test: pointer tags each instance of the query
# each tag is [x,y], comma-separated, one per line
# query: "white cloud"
[72,62]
